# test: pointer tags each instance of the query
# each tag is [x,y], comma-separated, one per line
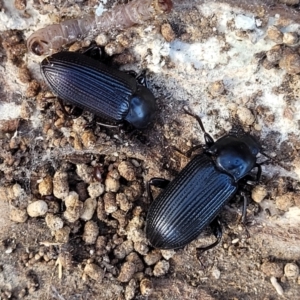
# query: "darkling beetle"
[193,200]
[113,95]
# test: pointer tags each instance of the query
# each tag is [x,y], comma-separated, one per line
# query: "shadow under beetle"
[193,200]
[111,94]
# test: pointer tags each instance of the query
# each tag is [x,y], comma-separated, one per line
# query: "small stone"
[85,173]
[167,254]
[284,202]
[290,38]
[291,271]
[37,208]
[134,258]
[94,272]
[113,48]
[127,170]
[167,32]
[89,208]
[54,222]
[258,193]
[274,54]
[123,250]
[216,88]
[161,268]
[275,34]
[215,272]
[245,115]
[101,39]
[153,257]
[46,186]
[123,202]
[60,185]
[101,214]
[88,139]
[141,247]
[146,287]
[62,235]
[130,290]
[290,62]
[18,215]
[95,189]
[127,271]
[110,204]
[112,183]
[91,232]
[74,207]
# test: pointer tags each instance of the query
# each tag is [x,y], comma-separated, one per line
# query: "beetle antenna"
[209,141]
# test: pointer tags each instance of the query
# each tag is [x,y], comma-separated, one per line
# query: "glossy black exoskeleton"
[113,95]
[193,200]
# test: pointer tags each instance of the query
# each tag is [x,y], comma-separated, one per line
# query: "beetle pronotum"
[53,37]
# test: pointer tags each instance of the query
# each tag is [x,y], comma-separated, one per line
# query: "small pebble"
[291,271]
[134,258]
[130,290]
[258,193]
[54,222]
[152,257]
[110,204]
[290,38]
[126,272]
[95,189]
[167,254]
[94,272]
[245,115]
[146,287]
[127,170]
[285,201]
[74,207]
[46,186]
[60,185]
[89,208]
[91,232]
[167,32]
[215,272]
[161,268]
[275,34]
[290,62]
[37,208]
[123,250]
[62,235]
[216,88]
[18,215]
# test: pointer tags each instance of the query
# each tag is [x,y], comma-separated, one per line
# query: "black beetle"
[193,200]
[107,92]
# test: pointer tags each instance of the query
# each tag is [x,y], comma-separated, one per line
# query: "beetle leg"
[189,152]
[141,78]
[71,113]
[244,211]
[209,141]
[158,182]
[258,176]
[217,231]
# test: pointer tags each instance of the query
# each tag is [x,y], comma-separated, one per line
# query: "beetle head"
[234,155]
[142,108]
